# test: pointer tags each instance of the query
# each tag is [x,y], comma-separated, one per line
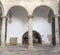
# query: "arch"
[2,8]
[43,6]
[52,25]
[19,19]
[16,6]
[9,12]
[36,38]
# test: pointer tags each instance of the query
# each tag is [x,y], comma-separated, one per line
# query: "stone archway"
[16,23]
[44,14]
[36,38]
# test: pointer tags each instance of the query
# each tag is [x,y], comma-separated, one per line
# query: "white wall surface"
[43,27]
[19,24]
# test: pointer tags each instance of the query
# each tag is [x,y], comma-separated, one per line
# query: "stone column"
[30,32]
[3,31]
[59,27]
[56,30]
[57,47]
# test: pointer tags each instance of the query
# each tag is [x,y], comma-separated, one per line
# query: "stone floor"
[37,50]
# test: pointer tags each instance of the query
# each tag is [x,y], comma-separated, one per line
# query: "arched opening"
[17,23]
[43,23]
[36,38]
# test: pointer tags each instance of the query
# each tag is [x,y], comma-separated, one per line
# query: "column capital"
[56,15]
[4,16]
[30,16]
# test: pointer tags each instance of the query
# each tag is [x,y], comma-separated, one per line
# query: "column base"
[30,47]
[19,44]
[56,49]
[3,45]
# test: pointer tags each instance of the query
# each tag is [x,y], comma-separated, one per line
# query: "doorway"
[36,38]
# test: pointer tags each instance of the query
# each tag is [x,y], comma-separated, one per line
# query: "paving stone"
[42,50]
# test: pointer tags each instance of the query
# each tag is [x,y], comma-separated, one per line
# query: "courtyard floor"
[37,50]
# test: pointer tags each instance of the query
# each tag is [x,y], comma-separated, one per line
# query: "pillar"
[3,31]
[59,28]
[53,31]
[56,30]
[30,32]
